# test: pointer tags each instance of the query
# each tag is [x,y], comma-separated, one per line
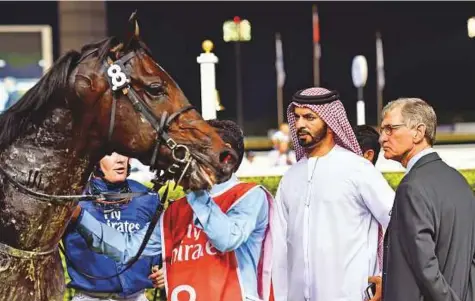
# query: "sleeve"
[228,231]
[279,247]
[119,246]
[414,220]
[376,193]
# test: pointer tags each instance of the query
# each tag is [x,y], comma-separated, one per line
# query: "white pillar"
[207,63]
[360,113]
[359,74]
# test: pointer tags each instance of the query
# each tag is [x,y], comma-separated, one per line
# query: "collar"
[98,185]
[416,158]
[335,148]
[222,187]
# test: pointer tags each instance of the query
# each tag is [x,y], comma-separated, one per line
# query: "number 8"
[118,77]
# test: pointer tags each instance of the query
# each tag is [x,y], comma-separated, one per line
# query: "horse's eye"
[155,89]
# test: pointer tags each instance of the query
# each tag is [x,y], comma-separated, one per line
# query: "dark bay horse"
[110,96]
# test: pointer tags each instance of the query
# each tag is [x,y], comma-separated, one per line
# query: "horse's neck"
[48,149]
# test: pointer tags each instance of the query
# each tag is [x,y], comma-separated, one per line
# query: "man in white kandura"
[329,206]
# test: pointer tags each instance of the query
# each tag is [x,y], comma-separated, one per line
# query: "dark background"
[427,51]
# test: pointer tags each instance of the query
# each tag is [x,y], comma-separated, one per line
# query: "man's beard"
[316,138]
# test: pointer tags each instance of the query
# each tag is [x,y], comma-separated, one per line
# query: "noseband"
[119,80]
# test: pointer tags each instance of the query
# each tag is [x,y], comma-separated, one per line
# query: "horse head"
[126,102]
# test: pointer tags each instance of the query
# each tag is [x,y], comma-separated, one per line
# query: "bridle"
[119,80]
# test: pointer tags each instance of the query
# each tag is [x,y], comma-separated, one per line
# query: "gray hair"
[415,111]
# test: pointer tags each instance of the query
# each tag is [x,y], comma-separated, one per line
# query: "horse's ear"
[132,31]
[134,24]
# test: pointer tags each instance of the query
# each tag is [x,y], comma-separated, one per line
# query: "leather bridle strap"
[119,80]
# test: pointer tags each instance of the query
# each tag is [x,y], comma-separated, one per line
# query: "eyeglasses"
[389,128]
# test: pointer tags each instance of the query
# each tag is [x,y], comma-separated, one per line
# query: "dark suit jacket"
[430,241]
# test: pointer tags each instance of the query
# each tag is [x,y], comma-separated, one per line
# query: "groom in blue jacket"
[128,216]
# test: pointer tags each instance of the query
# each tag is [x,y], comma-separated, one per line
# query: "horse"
[109,96]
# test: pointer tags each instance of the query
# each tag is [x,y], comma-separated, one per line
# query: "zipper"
[386,243]
[306,247]
[306,233]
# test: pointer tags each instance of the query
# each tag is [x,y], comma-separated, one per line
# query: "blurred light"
[2,63]
[233,32]
[229,31]
[245,30]
[359,71]
[471,27]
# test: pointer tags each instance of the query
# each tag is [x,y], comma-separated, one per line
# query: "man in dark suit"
[430,243]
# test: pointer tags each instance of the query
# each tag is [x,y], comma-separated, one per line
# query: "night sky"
[427,51]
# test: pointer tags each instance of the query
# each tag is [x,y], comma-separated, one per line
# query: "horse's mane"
[33,106]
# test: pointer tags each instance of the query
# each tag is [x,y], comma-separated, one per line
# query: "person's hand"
[157,277]
[76,213]
[379,287]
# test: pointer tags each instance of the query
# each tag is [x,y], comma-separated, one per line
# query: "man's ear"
[369,155]
[420,132]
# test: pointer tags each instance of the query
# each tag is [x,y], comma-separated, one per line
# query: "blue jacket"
[128,218]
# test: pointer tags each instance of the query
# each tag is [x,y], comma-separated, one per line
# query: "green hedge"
[271,183]
[393,178]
